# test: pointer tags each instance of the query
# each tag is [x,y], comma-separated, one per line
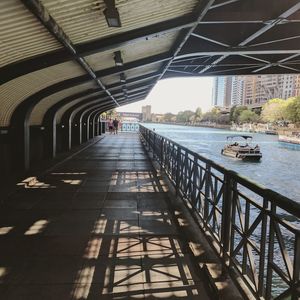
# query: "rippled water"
[279,168]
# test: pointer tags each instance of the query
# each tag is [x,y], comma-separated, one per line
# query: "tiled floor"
[96,227]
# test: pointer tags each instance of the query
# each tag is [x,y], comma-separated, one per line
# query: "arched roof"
[53,51]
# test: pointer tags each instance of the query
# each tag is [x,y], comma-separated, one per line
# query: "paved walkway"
[96,227]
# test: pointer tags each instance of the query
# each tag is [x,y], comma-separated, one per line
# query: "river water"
[279,168]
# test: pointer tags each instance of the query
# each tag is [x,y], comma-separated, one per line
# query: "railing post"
[207,192]
[263,238]
[154,140]
[178,166]
[270,254]
[148,139]
[161,153]
[296,273]
[195,177]
[185,175]
[226,228]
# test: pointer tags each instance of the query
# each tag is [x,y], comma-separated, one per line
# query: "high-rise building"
[237,90]
[146,111]
[273,86]
[222,91]
[254,90]
[297,86]
[249,90]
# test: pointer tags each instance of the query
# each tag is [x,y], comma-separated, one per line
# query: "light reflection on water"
[279,168]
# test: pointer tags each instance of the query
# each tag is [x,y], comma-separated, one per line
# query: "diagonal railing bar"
[286,259]
[248,233]
[240,215]
[256,231]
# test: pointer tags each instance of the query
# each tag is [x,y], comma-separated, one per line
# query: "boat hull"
[242,156]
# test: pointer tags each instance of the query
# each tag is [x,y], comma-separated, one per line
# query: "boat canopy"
[237,135]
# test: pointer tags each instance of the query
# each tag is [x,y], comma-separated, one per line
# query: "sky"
[176,94]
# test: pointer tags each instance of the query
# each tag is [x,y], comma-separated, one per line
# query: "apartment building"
[254,91]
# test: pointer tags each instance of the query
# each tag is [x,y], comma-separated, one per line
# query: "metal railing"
[130,126]
[256,230]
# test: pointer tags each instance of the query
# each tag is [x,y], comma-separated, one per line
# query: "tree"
[232,109]
[248,116]
[184,116]
[211,116]
[293,109]
[197,117]
[274,110]
[223,119]
[111,113]
[235,113]
[198,114]
[168,117]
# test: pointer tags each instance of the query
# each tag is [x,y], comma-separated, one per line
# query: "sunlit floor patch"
[5,230]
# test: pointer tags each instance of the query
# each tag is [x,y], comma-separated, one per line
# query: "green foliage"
[223,119]
[235,113]
[293,109]
[209,117]
[215,116]
[274,110]
[168,117]
[197,117]
[248,116]
[111,113]
[184,116]
[232,109]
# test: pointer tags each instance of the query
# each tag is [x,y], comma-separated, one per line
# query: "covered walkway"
[98,226]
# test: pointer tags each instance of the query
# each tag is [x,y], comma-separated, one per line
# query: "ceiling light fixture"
[118,58]
[122,78]
[111,14]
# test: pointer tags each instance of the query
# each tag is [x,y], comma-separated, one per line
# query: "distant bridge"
[138,116]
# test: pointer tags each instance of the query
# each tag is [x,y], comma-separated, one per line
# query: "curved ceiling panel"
[83,20]
[69,105]
[83,106]
[41,108]
[21,34]
[143,70]
[17,90]
[133,51]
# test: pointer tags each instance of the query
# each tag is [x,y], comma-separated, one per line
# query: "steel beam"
[201,11]
[274,22]
[38,9]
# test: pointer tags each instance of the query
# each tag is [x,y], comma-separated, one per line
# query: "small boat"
[241,149]
[271,132]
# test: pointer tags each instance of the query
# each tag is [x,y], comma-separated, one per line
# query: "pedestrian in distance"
[110,126]
[116,125]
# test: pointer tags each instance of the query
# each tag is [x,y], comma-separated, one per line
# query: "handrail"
[256,229]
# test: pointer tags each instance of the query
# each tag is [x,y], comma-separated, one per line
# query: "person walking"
[110,126]
[116,125]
